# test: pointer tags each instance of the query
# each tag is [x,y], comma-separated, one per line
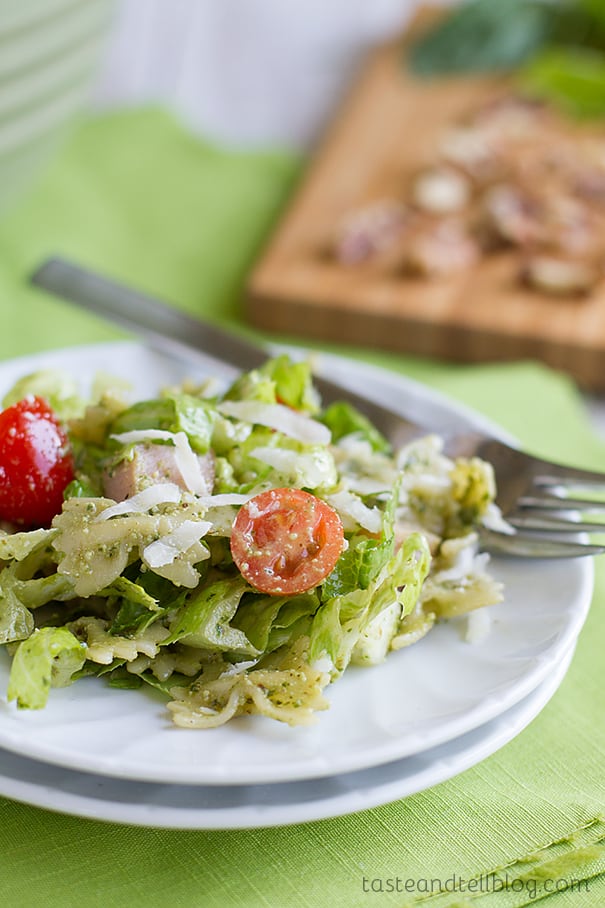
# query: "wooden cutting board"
[385,132]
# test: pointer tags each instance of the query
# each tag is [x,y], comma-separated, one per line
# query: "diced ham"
[150,464]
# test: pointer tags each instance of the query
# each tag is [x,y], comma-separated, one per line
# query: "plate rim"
[486,710]
[489,739]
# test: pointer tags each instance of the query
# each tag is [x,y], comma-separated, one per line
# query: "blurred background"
[259,72]
[184,205]
[249,74]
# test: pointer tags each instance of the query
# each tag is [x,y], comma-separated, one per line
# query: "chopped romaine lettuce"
[270,618]
[343,419]
[204,621]
[365,556]
[56,387]
[293,383]
[49,657]
[341,621]
[145,588]
[172,413]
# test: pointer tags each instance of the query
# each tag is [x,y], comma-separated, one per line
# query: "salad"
[237,549]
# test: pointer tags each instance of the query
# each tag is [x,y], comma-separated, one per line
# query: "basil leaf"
[484,35]
[572,79]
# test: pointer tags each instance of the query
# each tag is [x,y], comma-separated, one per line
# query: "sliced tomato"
[286,541]
[35,463]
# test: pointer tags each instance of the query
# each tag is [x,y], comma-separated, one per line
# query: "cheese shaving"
[302,470]
[478,626]
[277,416]
[189,466]
[350,505]
[227,498]
[164,551]
[139,436]
[162,493]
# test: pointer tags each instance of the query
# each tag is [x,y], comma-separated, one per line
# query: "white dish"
[419,698]
[244,807]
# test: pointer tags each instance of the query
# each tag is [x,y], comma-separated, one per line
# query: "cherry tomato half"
[286,541]
[35,463]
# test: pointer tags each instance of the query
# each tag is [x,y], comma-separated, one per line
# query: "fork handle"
[176,333]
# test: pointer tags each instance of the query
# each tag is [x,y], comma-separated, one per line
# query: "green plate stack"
[49,52]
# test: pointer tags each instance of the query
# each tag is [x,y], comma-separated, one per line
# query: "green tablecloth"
[136,196]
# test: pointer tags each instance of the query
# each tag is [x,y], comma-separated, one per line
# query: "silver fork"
[532,493]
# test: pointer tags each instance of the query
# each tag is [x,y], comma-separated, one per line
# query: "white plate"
[244,807]
[419,698]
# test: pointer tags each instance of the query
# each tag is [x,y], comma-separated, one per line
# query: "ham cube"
[151,464]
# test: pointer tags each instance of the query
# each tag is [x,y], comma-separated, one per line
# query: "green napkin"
[136,196]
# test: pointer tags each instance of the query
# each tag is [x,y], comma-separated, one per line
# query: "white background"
[246,72]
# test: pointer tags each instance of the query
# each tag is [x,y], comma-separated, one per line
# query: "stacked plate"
[49,51]
[423,716]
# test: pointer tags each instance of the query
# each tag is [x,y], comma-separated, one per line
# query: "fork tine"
[546,522]
[526,545]
[544,472]
[553,474]
[559,503]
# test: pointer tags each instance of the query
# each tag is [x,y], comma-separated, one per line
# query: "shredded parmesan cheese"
[140,436]
[350,505]
[227,498]
[277,416]
[189,466]
[303,470]
[161,493]
[478,625]
[163,551]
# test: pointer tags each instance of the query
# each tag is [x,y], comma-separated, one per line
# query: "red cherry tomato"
[286,541]
[35,463]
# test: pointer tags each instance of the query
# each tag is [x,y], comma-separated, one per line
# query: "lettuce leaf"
[365,557]
[358,566]
[204,620]
[17,546]
[280,379]
[263,619]
[176,680]
[173,413]
[48,658]
[135,592]
[253,385]
[340,621]
[56,387]
[195,417]
[343,419]
[16,620]
[144,600]
[296,465]
[293,383]
[145,414]
[18,597]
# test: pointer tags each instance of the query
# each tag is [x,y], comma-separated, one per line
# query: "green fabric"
[136,196]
